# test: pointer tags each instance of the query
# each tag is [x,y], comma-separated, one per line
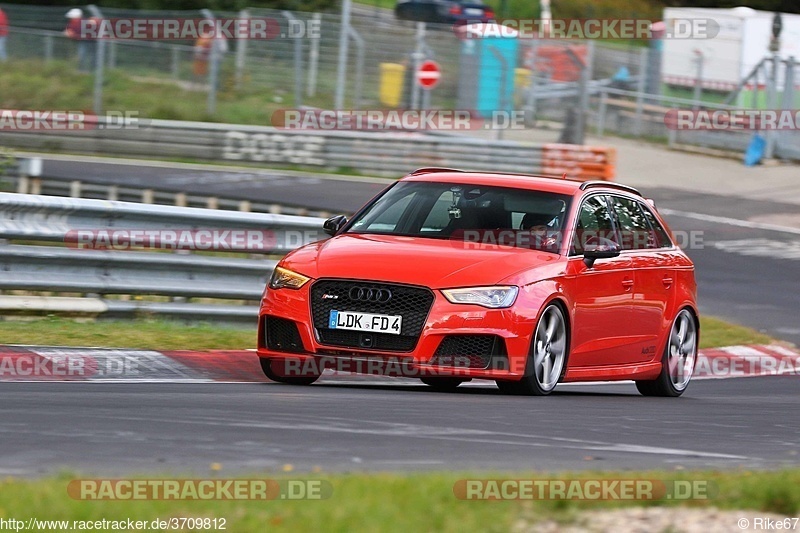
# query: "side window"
[594,224]
[635,230]
[661,235]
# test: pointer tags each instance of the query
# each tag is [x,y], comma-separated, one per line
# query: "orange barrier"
[579,162]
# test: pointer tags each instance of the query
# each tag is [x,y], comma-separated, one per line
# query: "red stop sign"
[428,74]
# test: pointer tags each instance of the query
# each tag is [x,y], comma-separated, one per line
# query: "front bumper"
[512,327]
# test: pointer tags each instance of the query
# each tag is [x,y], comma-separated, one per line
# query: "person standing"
[202,55]
[74,31]
[3,35]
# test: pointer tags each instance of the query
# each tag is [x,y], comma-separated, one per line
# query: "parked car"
[526,280]
[443,11]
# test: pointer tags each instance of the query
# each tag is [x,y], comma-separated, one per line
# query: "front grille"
[412,303]
[468,351]
[282,335]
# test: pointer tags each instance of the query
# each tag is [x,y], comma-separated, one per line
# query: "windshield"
[497,215]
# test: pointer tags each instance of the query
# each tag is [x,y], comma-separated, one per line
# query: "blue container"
[486,70]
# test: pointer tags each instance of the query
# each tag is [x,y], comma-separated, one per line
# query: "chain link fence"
[604,87]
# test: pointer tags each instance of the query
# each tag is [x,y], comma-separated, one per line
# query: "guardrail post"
[244,206]
[212,202]
[113,193]
[35,186]
[23,184]
[147,196]
[180,199]
[75,189]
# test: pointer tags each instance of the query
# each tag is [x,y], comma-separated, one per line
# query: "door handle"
[627,284]
[667,281]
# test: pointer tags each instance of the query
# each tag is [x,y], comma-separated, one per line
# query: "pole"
[698,82]
[99,64]
[213,70]
[418,55]
[341,72]
[772,90]
[360,47]
[640,89]
[298,63]
[313,59]
[241,52]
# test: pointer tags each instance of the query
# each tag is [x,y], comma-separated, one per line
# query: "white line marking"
[743,351]
[730,221]
[781,350]
[761,247]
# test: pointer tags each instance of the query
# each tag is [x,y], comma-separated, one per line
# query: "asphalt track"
[754,290]
[339,425]
[109,429]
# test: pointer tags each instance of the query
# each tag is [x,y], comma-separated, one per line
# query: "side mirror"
[334,224]
[601,251]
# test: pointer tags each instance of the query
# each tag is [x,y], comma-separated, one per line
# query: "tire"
[547,360]
[266,366]
[677,363]
[442,384]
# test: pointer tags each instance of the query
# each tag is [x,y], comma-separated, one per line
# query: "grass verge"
[141,334]
[398,502]
[165,335]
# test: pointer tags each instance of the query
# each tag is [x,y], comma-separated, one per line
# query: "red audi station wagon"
[449,276]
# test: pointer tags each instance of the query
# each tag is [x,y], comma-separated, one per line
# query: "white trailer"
[742,42]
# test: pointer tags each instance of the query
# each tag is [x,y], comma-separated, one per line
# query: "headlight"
[285,278]
[492,297]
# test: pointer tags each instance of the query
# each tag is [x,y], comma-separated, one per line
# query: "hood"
[435,263]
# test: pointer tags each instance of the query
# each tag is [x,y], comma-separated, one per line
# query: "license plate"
[365,322]
[473,11]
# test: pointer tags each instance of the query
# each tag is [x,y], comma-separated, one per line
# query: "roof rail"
[597,183]
[430,170]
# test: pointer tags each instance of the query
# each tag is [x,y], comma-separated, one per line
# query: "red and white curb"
[47,363]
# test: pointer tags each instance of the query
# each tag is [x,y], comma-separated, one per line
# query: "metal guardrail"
[177,275]
[46,218]
[375,153]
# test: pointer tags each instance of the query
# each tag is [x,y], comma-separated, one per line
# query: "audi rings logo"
[363,294]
